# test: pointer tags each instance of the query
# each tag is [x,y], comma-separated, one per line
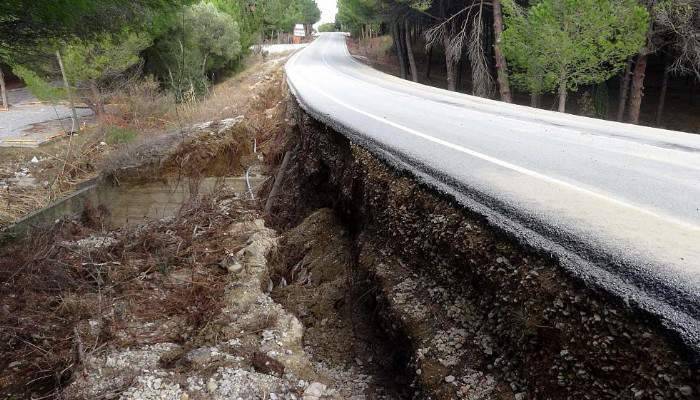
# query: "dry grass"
[154,117]
[64,300]
[62,168]
[62,296]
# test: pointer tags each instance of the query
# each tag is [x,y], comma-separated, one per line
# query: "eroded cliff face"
[480,315]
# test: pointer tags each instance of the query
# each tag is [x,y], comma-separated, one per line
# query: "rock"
[267,365]
[449,379]
[314,391]
[211,385]
[34,160]
[686,390]
[235,267]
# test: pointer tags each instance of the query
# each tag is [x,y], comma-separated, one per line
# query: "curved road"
[618,204]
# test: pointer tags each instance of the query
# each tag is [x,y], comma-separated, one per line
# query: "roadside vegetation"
[626,60]
[144,68]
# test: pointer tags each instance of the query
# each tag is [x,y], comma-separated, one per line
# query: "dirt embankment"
[481,316]
[205,304]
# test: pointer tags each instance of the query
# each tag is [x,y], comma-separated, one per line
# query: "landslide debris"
[485,316]
[315,278]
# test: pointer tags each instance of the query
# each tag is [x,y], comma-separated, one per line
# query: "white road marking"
[493,160]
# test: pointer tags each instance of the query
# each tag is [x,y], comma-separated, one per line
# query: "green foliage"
[328,27]
[205,40]
[308,12]
[39,86]
[247,15]
[569,43]
[118,135]
[353,14]
[105,56]
[282,15]
[26,23]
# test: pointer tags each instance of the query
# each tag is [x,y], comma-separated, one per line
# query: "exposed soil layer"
[485,317]
[317,280]
[180,307]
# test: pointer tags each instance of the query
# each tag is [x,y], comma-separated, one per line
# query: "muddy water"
[134,204]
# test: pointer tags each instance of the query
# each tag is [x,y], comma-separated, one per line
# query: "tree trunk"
[562,96]
[501,63]
[535,100]
[74,115]
[3,92]
[429,61]
[460,73]
[450,66]
[409,51]
[97,98]
[662,96]
[637,91]
[399,49]
[624,91]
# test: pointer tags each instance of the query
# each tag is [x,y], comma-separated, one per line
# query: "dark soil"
[531,327]
[317,280]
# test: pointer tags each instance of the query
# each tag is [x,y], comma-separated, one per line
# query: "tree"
[91,63]
[675,29]
[26,23]
[205,40]
[458,29]
[564,44]
[308,12]
[3,93]
[501,63]
[680,19]
[249,15]
[328,27]
[355,15]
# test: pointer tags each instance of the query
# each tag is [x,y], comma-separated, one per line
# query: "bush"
[206,40]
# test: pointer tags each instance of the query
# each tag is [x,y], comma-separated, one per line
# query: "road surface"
[618,204]
[26,114]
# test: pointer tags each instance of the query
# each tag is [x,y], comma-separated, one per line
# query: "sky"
[328,9]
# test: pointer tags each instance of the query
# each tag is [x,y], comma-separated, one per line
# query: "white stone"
[211,385]
[314,391]
[686,390]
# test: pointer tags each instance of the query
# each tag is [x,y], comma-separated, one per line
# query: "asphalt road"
[25,111]
[618,204]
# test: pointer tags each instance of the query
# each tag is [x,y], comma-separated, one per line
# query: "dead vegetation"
[80,289]
[141,127]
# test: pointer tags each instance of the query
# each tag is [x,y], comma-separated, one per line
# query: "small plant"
[119,135]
